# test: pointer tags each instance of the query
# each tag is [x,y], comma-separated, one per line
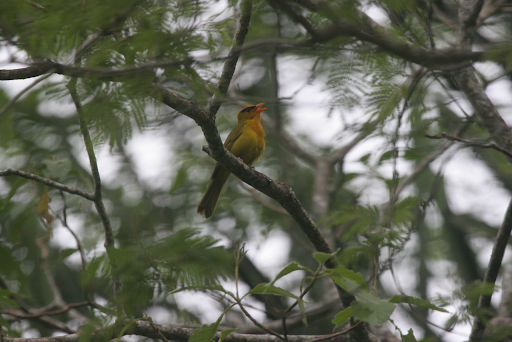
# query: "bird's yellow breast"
[250,145]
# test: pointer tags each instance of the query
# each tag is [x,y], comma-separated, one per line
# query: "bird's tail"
[209,201]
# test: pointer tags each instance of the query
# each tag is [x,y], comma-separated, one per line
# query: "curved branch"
[24,73]
[369,31]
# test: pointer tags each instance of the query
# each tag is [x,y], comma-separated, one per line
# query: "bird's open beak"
[258,109]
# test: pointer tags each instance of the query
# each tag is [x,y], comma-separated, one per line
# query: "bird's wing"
[233,136]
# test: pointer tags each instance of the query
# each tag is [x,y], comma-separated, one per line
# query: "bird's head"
[250,112]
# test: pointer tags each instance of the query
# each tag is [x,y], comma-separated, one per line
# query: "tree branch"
[468,15]
[369,31]
[48,182]
[472,143]
[280,192]
[230,64]
[178,334]
[57,295]
[12,101]
[47,321]
[489,116]
[98,200]
[64,309]
[442,59]
[506,295]
[491,274]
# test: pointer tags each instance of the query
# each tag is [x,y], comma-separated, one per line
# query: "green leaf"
[201,288]
[347,279]
[126,327]
[322,257]
[66,253]
[342,317]
[302,309]
[364,159]
[291,267]
[266,288]
[179,179]
[205,333]
[90,272]
[386,155]
[4,297]
[415,301]
[15,186]
[409,337]
[226,332]
[372,312]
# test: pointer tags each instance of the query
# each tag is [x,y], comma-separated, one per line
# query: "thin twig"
[64,221]
[48,182]
[150,320]
[468,142]
[306,290]
[336,334]
[58,300]
[106,30]
[425,162]
[240,254]
[258,324]
[64,309]
[47,321]
[57,296]
[98,200]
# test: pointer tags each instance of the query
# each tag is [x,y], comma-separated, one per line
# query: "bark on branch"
[178,334]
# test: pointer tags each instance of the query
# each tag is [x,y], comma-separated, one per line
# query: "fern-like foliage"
[183,259]
[369,81]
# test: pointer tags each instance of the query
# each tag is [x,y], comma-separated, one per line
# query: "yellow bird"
[246,141]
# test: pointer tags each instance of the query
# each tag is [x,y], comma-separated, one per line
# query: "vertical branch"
[98,197]
[64,222]
[500,133]
[468,15]
[274,79]
[230,64]
[498,250]
[320,193]
[506,296]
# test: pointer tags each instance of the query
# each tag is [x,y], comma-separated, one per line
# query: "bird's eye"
[248,109]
